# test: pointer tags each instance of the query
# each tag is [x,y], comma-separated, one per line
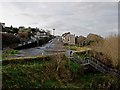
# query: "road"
[51,47]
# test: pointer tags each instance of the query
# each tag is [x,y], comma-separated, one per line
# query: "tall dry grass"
[109,48]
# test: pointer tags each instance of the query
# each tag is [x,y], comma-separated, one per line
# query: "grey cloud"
[34,23]
[27,14]
[79,18]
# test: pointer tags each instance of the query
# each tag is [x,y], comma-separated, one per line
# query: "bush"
[74,66]
[109,48]
[106,82]
[9,39]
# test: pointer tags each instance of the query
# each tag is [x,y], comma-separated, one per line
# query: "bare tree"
[58,47]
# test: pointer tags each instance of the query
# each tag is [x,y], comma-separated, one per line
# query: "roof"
[65,34]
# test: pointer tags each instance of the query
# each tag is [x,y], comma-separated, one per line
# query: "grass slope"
[44,74]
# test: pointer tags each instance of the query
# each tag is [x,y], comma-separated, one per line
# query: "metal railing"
[97,65]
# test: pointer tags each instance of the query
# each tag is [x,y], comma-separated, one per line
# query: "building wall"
[69,39]
[2,25]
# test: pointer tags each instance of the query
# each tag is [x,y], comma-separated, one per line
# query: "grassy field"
[55,73]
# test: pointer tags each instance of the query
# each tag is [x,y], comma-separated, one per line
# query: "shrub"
[109,48]
[105,82]
[9,39]
[74,66]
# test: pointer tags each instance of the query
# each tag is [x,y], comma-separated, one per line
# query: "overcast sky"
[80,18]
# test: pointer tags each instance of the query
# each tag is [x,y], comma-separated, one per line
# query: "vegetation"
[94,37]
[76,48]
[90,39]
[10,29]
[9,52]
[9,40]
[109,50]
[44,74]
[12,36]
[23,60]
[74,66]
[84,54]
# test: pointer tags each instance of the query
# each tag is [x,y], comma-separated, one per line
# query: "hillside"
[55,73]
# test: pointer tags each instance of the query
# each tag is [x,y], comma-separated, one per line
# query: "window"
[68,39]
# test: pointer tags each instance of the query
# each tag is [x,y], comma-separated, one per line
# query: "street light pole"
[69,43]
[69,52]
[53,32]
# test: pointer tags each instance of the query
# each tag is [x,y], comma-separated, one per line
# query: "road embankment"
[25,60]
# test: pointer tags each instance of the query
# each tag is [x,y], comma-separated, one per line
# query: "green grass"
[74,66]
[50,83]
[44,74]
[26,75]
[76,48]
[10,52]
[80,55]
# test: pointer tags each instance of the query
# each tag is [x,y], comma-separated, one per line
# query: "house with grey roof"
[68,38]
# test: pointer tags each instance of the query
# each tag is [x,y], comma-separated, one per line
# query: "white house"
[2,25]
[40,34]
[68,38]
